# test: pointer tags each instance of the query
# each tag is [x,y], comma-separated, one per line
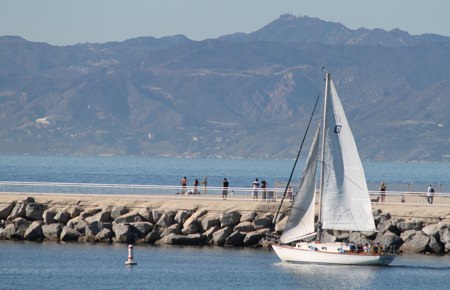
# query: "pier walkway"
[209,193]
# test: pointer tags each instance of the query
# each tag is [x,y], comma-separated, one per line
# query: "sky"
[67,22]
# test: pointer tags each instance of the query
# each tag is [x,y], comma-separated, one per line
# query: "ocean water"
[240,173]
[51,265]
[27,265]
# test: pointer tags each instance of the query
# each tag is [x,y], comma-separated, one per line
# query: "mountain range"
[236,96]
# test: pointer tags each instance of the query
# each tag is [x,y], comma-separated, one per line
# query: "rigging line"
[296,159]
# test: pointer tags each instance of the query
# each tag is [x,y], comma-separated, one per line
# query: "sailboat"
[344,201]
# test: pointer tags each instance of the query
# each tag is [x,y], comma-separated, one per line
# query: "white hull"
[298,255]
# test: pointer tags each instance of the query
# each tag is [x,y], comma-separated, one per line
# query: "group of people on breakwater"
[429,194]
[256,187]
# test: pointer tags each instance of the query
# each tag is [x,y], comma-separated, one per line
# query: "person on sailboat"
[255,187]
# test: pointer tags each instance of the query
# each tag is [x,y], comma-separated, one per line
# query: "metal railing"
[269,194]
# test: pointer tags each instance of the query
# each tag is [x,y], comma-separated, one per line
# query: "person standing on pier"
[225,188]
[196,183]
[430,194]
[183,183]
[205,184]
[255,187]
[263,188]
[382,191]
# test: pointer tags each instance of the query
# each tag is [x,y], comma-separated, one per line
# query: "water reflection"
[340,276]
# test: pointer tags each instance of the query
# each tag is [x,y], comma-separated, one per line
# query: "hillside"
[238,96]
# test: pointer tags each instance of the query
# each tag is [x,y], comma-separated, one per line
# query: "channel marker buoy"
[130,260]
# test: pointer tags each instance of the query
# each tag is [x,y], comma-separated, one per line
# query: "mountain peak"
[289,28]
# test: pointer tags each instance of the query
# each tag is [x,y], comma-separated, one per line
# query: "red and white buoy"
[130,260]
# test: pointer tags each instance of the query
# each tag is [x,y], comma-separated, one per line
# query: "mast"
[322,155]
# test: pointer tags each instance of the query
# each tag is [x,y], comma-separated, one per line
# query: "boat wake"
[425,267]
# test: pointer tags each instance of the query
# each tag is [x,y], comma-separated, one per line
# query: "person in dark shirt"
[225,188]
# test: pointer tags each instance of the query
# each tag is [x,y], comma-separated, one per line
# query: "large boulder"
[89,232]
[34,211]
[435,245]
[387,225]
[173,229]
[408,235]
[34,232]
[105,236]
[388,240]
[210,220]
[62,216]
[444,235]
[245,227]
[153,236]
[281,225]
[69,235]
[5,210]
[49,215]
[156,214]
[118,211]
[19,210]
[416,244]
[208,234]
[142,228]
[52,231]
[74,210]
[93,229]
[409,225]
[191,240]
[263,223]
[193,228]
[90,212]
[124,233]
[166,220]
[146,214]
[21,225]
[253,238]
[248,217]
[236,239]
[230,219]
[8,231]
[220,236]
[357,237]
[194,217]
[103,216]
[431,230]
[130,217]
[182,215]
[80,226]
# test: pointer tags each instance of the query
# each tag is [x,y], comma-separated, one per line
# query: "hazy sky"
[64,22]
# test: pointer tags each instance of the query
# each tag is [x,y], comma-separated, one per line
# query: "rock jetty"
[29,220]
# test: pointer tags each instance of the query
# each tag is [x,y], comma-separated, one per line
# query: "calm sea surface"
[168,171]
[27,265]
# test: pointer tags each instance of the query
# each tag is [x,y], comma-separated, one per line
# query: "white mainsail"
[345,201]
[301,218]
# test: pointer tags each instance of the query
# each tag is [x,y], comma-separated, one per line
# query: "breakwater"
[187,221]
